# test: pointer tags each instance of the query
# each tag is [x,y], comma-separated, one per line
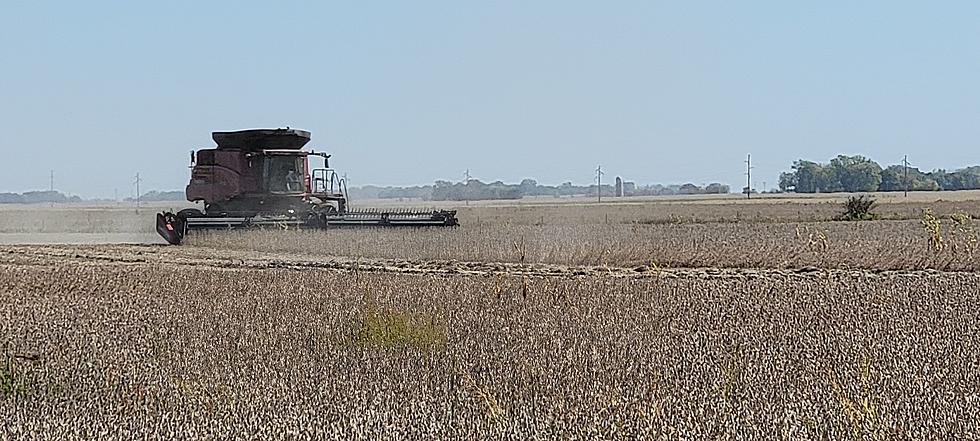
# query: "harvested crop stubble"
[659,211]
[112,350]
[871,245]
[125,218]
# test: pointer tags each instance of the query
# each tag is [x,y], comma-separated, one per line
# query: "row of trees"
[476,190]
[156,196]
[860,174]
[667,190]
[34,197]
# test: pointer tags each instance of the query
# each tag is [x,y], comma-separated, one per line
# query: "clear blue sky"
[410,92]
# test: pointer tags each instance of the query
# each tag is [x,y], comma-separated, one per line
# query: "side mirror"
[193,158]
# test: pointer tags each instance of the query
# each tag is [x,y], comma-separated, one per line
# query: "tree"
[32,197]
[811,177]
[787,181]
[972,177]
[860,174]
[893,179]
[689,189]
[965,179]
[11,198]
[856,173]
[844,173]
[717,188]
[528,186]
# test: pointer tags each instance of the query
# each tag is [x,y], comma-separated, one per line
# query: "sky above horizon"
[405,93]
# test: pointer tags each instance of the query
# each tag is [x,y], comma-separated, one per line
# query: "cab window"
[284,174]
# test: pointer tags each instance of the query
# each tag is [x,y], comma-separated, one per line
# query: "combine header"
[262,178]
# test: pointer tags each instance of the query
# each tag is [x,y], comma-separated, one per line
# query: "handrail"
[343,183]
[327,180]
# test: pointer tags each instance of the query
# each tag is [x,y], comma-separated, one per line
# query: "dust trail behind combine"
[76,224]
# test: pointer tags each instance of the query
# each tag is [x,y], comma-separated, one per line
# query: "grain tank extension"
[263,178]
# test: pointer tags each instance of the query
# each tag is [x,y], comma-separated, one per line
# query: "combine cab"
[256,178]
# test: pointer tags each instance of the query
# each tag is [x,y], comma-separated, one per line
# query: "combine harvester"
[262,178]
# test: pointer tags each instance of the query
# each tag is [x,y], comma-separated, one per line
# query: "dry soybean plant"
[116,351]
[868,245]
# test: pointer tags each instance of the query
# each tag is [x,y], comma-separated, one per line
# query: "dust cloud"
[30,224]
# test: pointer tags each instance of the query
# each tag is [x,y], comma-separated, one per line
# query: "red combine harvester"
[262,178]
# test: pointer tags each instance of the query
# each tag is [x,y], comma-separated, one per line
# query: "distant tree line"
[440,191]
[667,190]
[35,197]
[474,189]
[860,174]
[156,196]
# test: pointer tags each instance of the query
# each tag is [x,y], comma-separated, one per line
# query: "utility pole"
[748,177]
[905,166]
[52,188]
[138,192]
[598,178]
[466,181]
